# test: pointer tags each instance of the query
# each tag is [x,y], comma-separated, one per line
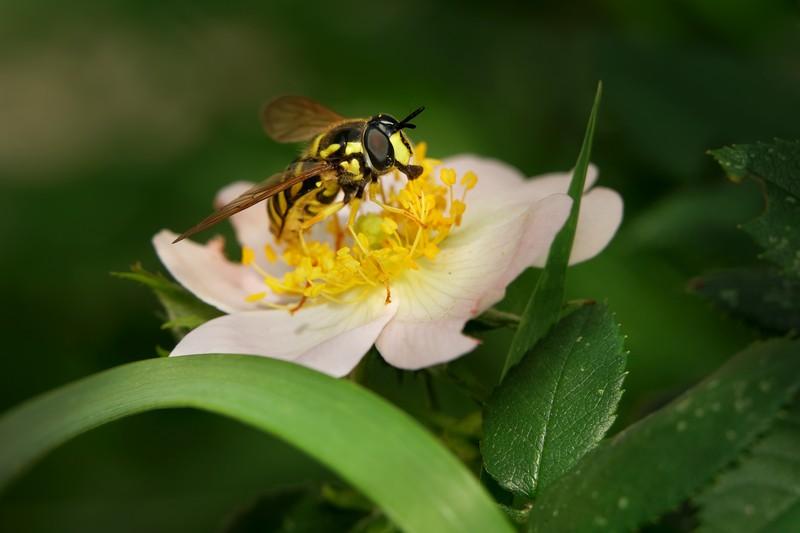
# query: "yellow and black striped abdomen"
[288,209]
[342,148]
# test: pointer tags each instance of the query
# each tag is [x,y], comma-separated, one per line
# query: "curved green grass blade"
[374,446]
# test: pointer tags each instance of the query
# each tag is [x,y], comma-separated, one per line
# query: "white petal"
[544,220]
[599,219]
[469,274]
[251,225]
[558,182]
[252,230]
[500,183]
[479,257]
[601,208]
[470,260]
[328,338]
[524,194]
[492,173]
[412,345]
[207,273]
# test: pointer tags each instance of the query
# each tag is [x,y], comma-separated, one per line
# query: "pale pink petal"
[500,183]
[544,220]
[469,262]
[601,208]
[469,274]
[207,273]
[599,219]
[251,225]
[252,229]
[328,338]
[496,174]
[478,257]
[509,225]
[412,344]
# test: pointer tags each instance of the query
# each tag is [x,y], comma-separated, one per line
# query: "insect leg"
[327,211]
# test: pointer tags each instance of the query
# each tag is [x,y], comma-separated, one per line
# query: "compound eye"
[379,149]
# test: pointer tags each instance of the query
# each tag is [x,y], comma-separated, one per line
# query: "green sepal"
[184,311]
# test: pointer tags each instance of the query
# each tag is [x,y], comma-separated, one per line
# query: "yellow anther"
[255,297]
[248,256]
[457,209]
[371,249]
[405,197]
[430,251]
[389,226]
[420,151]
[448,176]
[363,240]
[270,254]
[469,180]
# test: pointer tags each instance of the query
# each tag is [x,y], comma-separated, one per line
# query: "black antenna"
[405,122]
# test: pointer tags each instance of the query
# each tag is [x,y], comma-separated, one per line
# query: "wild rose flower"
[407,280]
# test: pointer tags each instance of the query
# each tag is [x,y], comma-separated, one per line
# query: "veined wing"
[258,193]
[292,118]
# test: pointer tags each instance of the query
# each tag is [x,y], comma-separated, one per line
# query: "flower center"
[413,221]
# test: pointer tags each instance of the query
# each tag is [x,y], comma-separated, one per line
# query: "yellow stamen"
[389,226]
[371,249]
[248,256]
[270,254]
[448,176]
[469,180]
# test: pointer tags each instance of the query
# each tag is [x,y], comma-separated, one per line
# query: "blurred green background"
[120,119]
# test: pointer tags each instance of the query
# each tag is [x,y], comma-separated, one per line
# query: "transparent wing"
[258,193]
[296,118]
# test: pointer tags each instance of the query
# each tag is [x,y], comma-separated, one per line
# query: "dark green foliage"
[763,492]
[761,296]
[652,466]
[777,230]
[556,404]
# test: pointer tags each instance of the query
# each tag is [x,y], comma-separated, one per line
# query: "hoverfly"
[342,155]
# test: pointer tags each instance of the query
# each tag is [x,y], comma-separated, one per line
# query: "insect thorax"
[343,147]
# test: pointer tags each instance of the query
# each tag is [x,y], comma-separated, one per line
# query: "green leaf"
[653,465]
[777,162]
[556,404]
[761,296]
[184,310]
[763,493]
[544,306]
[371,444]
[777,230]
